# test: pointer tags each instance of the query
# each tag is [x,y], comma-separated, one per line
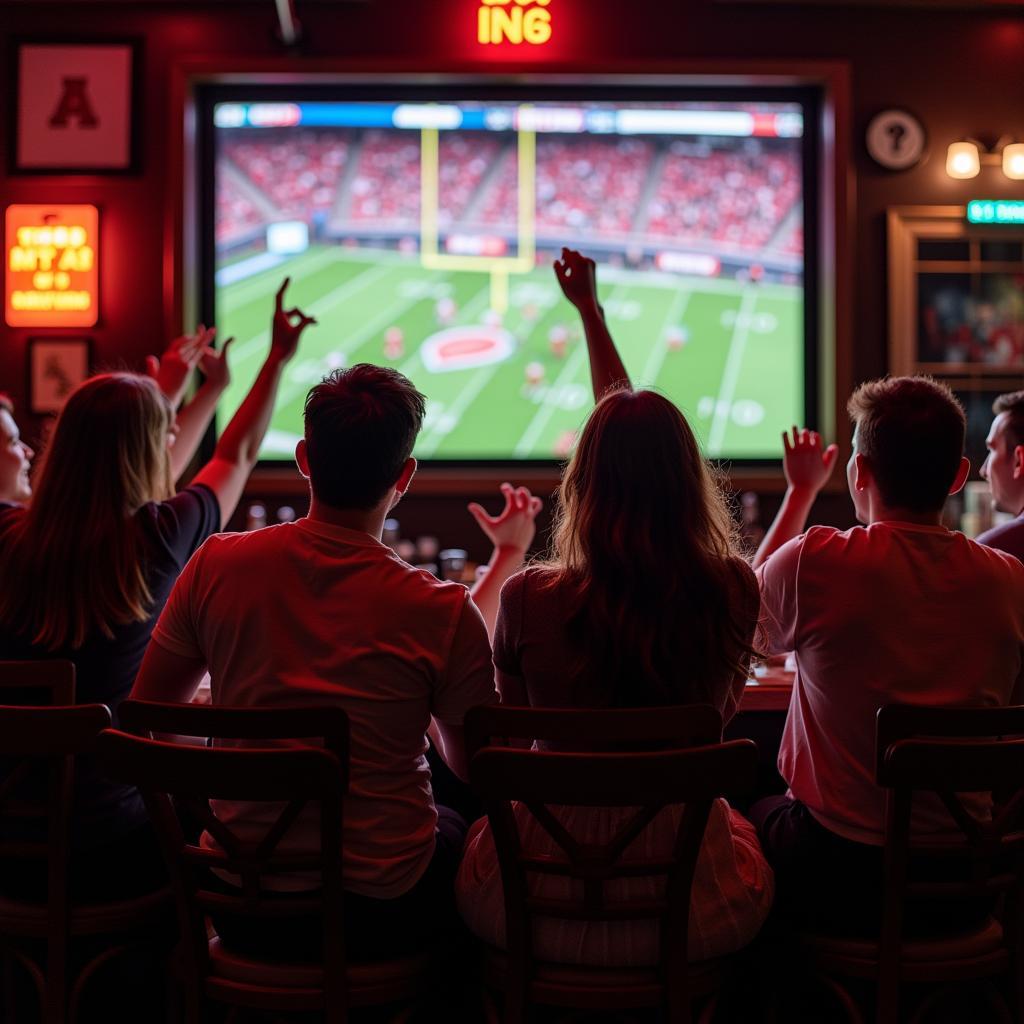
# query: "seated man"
[900,610]
[320,611]
[1004,471]
[15,458]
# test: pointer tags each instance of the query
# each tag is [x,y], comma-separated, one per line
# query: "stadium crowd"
[736,195]
[644,601]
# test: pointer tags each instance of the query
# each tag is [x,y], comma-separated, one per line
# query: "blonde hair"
[75,552]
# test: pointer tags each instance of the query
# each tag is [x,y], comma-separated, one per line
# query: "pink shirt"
[892,613]
[313,613]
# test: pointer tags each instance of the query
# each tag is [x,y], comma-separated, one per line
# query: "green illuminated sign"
[995,211]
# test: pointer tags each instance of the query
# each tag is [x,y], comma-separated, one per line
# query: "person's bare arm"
[167,676]
[577,276]
[238,448]
[172,370]
[807,467]
[511,532]
[194,418]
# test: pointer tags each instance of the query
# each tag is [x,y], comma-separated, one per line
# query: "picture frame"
[56,366]
[75,106]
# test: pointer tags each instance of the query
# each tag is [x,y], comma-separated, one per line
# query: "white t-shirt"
[892,613]
[311,612]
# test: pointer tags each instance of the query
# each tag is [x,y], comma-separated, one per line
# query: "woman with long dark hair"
[89,564]
[644,602]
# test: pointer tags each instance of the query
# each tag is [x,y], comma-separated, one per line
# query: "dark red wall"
[960,72]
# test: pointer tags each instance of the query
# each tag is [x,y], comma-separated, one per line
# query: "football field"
[729,354]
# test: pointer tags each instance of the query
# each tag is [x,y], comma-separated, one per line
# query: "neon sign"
[995,211]
[52,274]
[514,21]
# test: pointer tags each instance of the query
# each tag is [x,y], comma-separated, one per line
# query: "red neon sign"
[51,266]
[514,21]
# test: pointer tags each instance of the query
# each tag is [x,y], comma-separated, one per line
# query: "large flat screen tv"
[418,225]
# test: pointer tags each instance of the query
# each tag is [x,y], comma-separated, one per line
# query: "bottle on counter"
[255,517]
[286,514]
[453,563]
[392,533]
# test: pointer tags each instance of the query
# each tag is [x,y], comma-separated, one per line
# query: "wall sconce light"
[1013,160]
[964,159]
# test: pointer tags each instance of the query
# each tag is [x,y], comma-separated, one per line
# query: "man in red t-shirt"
[897,611]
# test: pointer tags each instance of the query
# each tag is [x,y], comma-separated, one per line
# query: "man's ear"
[302,458]
[961,475]
[861,472]
[1018,462]
[405,477]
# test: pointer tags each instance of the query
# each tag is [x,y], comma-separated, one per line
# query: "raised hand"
[214,364]
[806,464]
[172,370]
[288,325]
[577,276]
[514,527]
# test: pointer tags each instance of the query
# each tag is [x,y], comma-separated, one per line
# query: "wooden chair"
[50,738]
[646,780]
[987,856]
[191,776]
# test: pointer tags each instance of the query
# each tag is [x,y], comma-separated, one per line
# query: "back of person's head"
[1012,404]
[361,425]
[74,550]
[644,536]
[911,432]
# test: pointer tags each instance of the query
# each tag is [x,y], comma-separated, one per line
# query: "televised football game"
[421,236]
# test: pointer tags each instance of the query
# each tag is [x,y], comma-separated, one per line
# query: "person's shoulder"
[1008,537]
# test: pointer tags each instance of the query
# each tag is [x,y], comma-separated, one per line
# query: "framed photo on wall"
[56,366]
[75,106]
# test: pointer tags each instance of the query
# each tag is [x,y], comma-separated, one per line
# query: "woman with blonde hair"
[90,563]
[644,603]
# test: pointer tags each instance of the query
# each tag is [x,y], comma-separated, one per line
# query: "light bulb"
[963,160]
[1013,160]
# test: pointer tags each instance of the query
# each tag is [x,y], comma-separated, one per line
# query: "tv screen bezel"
[613,88]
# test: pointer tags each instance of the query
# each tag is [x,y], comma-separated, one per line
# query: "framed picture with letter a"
[75,106]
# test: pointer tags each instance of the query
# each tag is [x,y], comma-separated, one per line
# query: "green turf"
[739,378]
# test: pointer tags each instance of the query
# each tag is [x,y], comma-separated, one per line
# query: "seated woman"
[644,603]
[96,553]
[15,459]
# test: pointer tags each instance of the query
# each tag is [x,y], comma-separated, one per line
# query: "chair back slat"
[605,729]
[896,722]
[327,723]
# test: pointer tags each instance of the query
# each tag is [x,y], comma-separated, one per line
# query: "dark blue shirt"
[105,667]
[1009,538]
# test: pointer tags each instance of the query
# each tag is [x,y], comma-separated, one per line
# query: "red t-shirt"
[892,613]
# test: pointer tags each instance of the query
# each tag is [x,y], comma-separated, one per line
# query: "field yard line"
[656,359]
[467,396]
[253,287]
[478,301]
[731,373]
[242,349]
[547,410]
[354,341]
[661,279]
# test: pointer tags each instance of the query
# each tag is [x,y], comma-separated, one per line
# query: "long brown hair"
[660,607]
[72,561]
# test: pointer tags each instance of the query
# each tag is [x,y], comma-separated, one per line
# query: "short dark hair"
[911,431]
[1012,404]
[361,425]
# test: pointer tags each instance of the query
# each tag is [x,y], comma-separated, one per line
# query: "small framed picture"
[56,366]
[76,106]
